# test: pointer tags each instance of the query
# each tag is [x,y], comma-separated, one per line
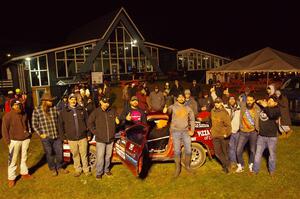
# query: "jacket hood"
[272,88]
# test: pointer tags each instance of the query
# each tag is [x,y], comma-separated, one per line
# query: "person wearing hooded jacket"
[102,123]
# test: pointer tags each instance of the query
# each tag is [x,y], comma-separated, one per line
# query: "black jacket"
[268,117]
[67,128]
[102,124]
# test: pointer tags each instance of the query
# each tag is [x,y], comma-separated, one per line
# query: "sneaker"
[77,174]
[98,177]
[54,172]
[27,177]
[11,183]
[63,171]
[239,169]
[109,174]
[251,167]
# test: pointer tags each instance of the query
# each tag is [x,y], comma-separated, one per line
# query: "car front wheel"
[198,155]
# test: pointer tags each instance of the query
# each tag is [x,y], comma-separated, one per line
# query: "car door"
[131,146]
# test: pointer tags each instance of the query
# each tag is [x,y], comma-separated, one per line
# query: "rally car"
[140,143]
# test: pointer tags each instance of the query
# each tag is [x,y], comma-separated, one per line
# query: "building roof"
[264,60]
[200,51]
[97,28]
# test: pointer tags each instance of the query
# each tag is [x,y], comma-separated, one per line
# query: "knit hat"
[72,95]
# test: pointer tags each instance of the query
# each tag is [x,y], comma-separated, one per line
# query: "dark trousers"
[221,150]
[54,153]
[243,139]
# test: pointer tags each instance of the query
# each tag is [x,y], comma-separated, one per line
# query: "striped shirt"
[45,124]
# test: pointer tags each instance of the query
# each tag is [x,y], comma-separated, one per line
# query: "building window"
[39,74]
[69,61]
[122,52]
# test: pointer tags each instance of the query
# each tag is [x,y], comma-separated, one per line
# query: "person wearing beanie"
[220,131]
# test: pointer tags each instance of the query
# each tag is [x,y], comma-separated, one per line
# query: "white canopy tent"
[266,60]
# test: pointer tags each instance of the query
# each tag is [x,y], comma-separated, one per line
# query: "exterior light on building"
[205,58]
[8,55]
[126,48]
[27,58]
[134,42]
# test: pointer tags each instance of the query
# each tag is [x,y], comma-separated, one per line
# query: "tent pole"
[244,78]
[267,79]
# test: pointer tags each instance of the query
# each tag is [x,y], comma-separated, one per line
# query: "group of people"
[82,114]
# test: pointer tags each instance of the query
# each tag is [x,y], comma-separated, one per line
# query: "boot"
[177,165]
[187,163]
[289,133]
[282,136]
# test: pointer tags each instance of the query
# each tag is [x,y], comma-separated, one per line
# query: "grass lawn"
[208,182]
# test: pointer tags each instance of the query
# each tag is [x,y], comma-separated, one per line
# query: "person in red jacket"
[10,97]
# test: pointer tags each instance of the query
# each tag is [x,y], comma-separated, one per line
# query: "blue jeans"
[243,139]
[54,153]
[179,136]
[234,138]
[103,157]
[262,144]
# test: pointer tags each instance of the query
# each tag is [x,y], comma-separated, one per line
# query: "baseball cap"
[14,101]
[134,98]
[105,99]
[72,95]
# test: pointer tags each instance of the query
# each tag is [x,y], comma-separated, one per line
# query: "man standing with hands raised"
[182,127]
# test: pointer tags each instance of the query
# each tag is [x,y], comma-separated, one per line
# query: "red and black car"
[152,141]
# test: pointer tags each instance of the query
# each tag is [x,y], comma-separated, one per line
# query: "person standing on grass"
[248,131]
[72,123]
[268,130]
[16,135]
[44,123]
[234,112]
[102,123]
[220,131]
[285,119]
[182,127]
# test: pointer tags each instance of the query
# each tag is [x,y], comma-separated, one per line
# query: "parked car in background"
[152,142]
[291,88]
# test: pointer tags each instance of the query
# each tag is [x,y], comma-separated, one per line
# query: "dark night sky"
[230,28]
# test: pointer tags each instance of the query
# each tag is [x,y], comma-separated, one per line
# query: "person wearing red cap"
[16,135]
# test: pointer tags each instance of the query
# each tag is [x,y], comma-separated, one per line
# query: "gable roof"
[98,28]
[264,60]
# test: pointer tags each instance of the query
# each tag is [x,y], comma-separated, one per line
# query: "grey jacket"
[183,118]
